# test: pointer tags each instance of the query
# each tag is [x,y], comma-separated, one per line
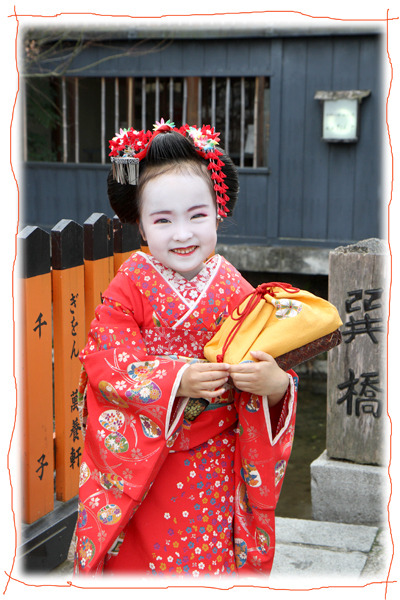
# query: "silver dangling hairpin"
[125,169]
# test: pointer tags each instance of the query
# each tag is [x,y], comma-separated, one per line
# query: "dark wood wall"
[312,193]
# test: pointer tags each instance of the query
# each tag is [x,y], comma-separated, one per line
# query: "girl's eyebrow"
[161,212]
[170,212]
[198,206]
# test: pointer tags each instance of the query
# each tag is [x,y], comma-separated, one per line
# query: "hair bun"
[168,145]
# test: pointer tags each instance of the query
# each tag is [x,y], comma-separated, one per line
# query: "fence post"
[69,332]
[98,260]
[36,372]
[127,239]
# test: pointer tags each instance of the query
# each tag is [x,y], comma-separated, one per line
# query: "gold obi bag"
[290,324]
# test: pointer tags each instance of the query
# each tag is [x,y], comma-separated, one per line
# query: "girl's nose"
[182,234]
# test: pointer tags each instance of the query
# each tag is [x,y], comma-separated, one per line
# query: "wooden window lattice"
[236,106]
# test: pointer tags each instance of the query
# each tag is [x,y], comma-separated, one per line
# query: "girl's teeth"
[184,251]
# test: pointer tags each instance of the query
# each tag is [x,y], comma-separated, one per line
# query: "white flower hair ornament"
[129,147]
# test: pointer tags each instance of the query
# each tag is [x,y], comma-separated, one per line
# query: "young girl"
[183,459]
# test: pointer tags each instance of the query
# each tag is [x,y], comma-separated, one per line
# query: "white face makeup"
[178,221]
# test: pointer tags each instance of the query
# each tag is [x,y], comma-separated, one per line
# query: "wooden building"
[264,90]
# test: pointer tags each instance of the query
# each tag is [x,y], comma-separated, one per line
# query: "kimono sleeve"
[117,319]
[133,417]
[263,446]
[119,370]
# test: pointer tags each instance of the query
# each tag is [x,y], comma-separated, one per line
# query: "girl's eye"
[162,220]
[198,215]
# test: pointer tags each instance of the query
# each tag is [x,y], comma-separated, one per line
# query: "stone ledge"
[312,560]
[346,492]
[333,536]
[307,548]
[278,259]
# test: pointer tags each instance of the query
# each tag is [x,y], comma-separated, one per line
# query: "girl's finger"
[260,355]
[213,377]
[242,368]
[243,376]
[212,394]
[211,385]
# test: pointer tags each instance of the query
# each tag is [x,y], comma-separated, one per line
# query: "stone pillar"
[356,398]
[357,368]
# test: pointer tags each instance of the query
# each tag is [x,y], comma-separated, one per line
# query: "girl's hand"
[263,377]
[204,380]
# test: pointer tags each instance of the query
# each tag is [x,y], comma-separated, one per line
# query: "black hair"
[167,149]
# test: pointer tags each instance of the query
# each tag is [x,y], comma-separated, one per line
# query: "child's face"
[178,221]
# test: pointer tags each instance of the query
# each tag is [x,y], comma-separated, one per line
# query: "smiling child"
[184,459]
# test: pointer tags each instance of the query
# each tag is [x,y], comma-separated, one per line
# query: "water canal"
[309,443]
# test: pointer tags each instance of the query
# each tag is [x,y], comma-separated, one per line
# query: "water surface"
[309,443]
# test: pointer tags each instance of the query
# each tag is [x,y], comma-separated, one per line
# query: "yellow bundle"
[276,318]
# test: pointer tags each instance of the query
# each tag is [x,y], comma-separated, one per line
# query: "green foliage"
[43,118]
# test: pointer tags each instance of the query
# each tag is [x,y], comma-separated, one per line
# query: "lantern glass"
[340,119]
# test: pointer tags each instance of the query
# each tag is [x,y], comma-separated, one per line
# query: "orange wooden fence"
[62,276]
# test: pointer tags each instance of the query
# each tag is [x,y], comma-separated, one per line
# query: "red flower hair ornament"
[129,147]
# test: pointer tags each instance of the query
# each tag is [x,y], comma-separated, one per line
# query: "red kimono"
[168,486]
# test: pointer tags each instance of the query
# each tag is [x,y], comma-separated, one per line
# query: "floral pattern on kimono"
[217,477]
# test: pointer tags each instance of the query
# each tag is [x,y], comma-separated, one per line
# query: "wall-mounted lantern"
[341,114]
